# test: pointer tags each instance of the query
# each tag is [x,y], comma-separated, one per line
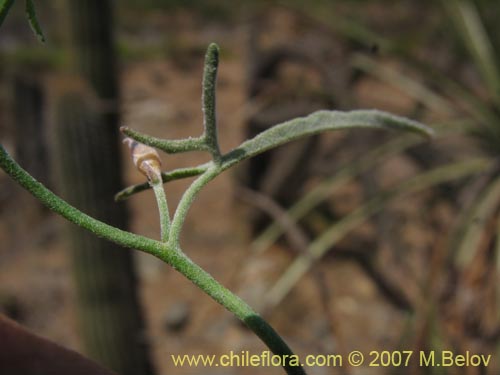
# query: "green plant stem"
[176,174]
[318,122]
[186,201]
[208,101]
[33,20]
[170,146]
[285,132]
[5,6]
[234,304]
[161,200]
[315,123]
[170,251]
[74,215]
[172,256]
[280,134]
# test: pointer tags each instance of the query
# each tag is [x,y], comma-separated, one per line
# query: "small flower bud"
[146,159]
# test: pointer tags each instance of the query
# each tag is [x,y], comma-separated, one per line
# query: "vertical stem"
[161,200]
[185,202]
[208,100]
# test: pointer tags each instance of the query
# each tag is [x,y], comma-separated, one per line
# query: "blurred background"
[355,240]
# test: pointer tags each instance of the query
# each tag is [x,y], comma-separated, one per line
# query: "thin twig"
[317,122]
[176,174]
[170,251]
[172,256]
[170,146]
[186,202]
[161,200]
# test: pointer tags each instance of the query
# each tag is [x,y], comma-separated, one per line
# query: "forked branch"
[169,249]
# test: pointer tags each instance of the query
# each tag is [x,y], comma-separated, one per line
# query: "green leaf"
[318,122]
[277,135]
[4,9]
[33,20]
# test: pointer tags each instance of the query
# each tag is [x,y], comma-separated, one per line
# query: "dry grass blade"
[409,86]
[337,231]
[471,230]
[470,27]
[327,187]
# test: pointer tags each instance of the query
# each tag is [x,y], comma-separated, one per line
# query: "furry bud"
[146,159]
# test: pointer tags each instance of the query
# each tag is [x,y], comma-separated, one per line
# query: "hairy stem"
[186,202]
[171,255]
[234,304]
[4,9]
[176,174]
[208,101]
[74,215]
[170,146]
[317,122]
[33,20]
[161,200]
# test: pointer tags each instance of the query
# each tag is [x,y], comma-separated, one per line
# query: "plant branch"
[172,146]
[33,20]
[148,162]
[285,132]
[186,202]
[74,215]
[172,256]
[318,122]
[208,101]
[314,123]
[176,174]
[161,200]
[5,6]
